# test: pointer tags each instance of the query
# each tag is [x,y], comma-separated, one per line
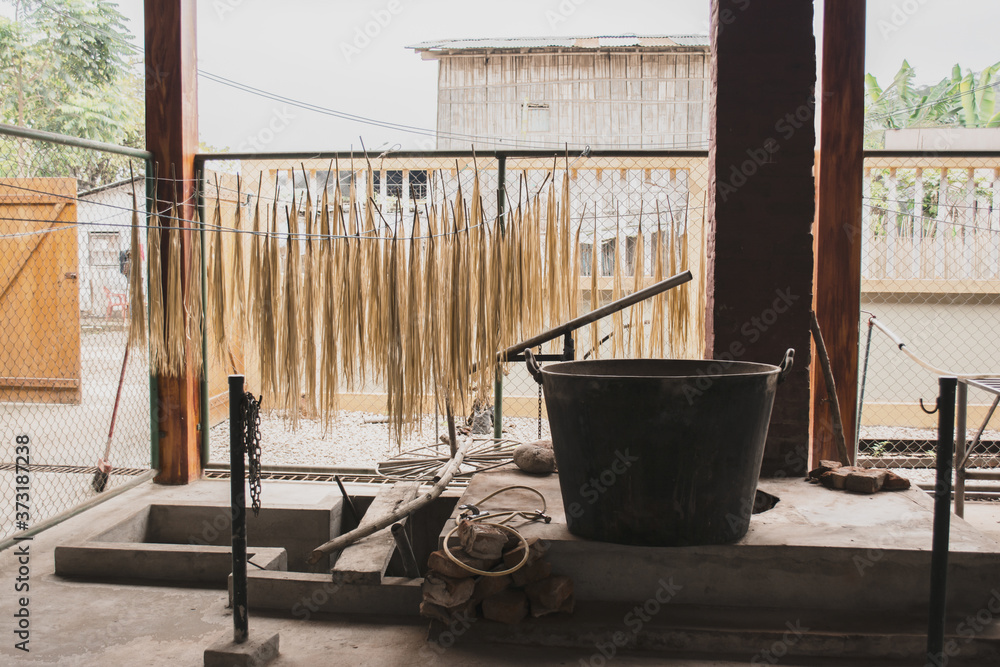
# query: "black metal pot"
[659,452]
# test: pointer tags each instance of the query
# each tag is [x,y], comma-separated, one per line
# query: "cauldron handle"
[786,365]
[533,367]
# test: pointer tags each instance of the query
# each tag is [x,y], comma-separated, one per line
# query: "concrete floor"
[76,623]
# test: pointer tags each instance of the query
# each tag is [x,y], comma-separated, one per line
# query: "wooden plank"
[839,181]
[366,561]
[40,383]
[172,138]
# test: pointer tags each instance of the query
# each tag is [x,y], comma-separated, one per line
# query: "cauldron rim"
[731,368]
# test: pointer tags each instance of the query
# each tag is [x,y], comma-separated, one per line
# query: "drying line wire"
[920,362]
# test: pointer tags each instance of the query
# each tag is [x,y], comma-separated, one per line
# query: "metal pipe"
[962,399]
[75,142]
[861,393]
[154,388]
[206,411]
[405,550]
[348,501]
[594,315]
[498,406]
[239,510]
[501,219]
[942,521]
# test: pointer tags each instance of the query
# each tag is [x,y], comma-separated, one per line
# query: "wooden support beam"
[839,181]
[759,269]
[172,137]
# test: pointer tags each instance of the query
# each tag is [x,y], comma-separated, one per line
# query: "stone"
[865,481]
[489,586]
[532,572]
[482,421]
[439,562]
[544,442]
[480,540]
[509,606]
[535,460]
[536,549]
[548,595]
[894,482]
[446,591]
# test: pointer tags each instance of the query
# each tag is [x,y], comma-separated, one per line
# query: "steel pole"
[942,522]
[237,473]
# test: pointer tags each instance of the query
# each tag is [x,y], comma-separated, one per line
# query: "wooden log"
[365,561]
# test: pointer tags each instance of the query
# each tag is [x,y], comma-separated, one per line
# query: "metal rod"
[405,550]
[942,522]
[239,510]
[452,433]
[498,405]
[594,315]
[961,415]
[206,411]
[348,501]
[76,142]
[861,393]
[154,387]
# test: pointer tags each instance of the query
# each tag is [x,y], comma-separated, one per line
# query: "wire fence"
[621,203]
[65,214]
[930,272]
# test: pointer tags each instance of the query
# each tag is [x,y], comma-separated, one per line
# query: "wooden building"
[626,91]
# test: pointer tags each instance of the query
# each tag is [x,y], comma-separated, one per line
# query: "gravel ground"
[350,442]
[908,433]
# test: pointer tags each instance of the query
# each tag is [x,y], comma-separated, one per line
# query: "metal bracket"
[930,412]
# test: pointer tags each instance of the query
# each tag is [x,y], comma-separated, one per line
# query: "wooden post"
[839,175]
[759,269]
[172,137]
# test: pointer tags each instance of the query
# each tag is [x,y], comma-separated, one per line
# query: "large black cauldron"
[659,452]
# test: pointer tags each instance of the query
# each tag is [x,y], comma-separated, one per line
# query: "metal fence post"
[237,474]
[501,210]
[154,392]
[206,421]
[942,521]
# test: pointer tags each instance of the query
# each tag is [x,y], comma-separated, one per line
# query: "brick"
[894,482]
[446,591]
[866,481]
[509,606]
[536,549]
[487,586]
[440,563]
[532,572]
[480,540]
[445,614]
[824,467]
[548,595]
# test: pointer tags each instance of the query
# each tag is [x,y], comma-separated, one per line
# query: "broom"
[100,480]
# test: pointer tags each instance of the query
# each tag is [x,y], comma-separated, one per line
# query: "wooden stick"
[831,389]
[347,539]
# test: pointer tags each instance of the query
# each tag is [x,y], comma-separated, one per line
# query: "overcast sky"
[310,50]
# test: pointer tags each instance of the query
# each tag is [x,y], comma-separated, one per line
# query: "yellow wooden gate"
[39,291]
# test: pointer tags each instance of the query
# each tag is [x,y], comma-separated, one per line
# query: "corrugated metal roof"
[582,42]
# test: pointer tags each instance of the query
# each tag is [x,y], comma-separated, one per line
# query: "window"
[394,183]
[608,257]
[535,117]
[418,184]
[586,260]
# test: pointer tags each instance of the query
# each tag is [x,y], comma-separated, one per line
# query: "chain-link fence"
[931,273]
[65,218]
[621,204]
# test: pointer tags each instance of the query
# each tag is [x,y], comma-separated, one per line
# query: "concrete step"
[760,636]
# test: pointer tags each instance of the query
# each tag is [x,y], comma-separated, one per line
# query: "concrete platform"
[816,549]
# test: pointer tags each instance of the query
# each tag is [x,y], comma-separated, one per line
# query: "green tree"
[963,100]
[65,67]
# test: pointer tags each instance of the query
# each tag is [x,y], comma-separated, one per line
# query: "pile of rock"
[834,475]
[450,590]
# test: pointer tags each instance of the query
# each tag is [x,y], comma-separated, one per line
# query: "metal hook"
[930,412]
